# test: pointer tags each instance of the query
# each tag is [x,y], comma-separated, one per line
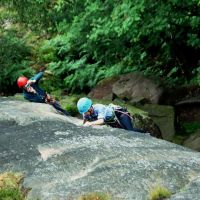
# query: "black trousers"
[126,123]
[125,120]
[58,107]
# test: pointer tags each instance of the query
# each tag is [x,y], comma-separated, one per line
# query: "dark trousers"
[126,123]
[57,106]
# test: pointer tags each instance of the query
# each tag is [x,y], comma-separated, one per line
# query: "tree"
[89,40]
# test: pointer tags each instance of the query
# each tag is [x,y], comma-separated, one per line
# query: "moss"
[157,110]
[8,179]
[19,96]
[159,193]
[109,80]
[69,103]
[133,110]
[95,196]
[178,139]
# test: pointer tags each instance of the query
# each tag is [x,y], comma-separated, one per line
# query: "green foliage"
[69,103]
[51,83]
[115,37]
[89,40]
[14,51]
[11,188]
[14,60]
[159,193]
[11,194]
[43,14]
[190,127]
[196,76]
[185,130]
[56,94]
[71,109]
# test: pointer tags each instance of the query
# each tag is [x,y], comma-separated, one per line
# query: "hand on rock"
[87,124]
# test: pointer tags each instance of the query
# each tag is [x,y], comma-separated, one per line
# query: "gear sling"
[121,119]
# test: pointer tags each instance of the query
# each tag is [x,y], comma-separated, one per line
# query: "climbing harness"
[117,112]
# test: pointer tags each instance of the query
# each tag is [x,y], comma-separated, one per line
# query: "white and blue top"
[100,112]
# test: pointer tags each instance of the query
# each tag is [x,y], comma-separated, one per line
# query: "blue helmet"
[84,105]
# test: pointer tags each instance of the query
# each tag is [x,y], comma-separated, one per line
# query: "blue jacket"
[39,97]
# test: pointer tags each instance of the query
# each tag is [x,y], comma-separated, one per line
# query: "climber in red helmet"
[32,92]
[22,81]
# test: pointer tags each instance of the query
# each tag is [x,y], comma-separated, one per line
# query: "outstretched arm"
[37,77]
[96,122]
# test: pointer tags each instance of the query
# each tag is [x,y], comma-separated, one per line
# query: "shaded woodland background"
[83,42]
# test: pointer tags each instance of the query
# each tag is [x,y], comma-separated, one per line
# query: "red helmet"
[21,81]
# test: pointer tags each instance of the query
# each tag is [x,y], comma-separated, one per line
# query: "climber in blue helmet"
[99,114]
[32,92]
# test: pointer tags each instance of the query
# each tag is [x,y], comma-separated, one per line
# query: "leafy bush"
[196,76]
[114,37]
[14,61]
[87,41]
[190,127]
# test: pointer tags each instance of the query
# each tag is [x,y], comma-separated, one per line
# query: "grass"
[11,187]
[11,194]
[159,193]
[95,196]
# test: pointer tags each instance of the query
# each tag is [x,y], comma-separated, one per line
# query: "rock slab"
[62,160]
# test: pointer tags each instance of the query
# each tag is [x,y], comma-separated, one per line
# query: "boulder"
[136,87]
[141,120]
[163,116]
[189,192]
[146,123]
[188,110]
[104,89]
[180,94]
[193,142]
[132,87]
[62,159]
